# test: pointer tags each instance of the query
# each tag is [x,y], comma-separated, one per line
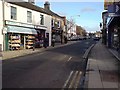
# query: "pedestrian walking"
[65,39]
[45,42]
[53,40]
[33,45]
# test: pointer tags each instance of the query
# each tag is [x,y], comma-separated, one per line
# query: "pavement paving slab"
[102,69]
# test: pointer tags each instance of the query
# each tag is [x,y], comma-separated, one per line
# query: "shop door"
[22,42]
[6,42]
[47,35]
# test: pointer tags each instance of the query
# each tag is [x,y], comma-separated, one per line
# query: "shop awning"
[15,29]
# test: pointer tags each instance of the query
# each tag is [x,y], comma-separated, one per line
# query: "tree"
[70,25]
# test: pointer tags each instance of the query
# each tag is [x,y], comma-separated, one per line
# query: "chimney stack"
[47,5]
[31,1]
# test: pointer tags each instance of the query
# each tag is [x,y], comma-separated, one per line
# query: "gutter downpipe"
[3,11]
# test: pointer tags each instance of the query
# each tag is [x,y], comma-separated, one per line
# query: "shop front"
[114,26]
[57,34]
[19,36]
[114,33]
[40,36]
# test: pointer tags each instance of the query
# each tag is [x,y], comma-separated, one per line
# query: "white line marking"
[69,59]
[66,82]
[65,56]
[78,79]
[73,80]
[62,57]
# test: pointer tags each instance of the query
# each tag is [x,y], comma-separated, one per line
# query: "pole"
[3,11]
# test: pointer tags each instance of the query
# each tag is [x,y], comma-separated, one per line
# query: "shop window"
[115,39]
[29,16]
[14,41]
[41,19]
[30,41]
[13,13]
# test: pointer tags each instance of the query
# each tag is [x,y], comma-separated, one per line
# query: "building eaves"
[31,6]
[54,14]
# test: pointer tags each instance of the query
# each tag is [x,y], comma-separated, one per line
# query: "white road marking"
[65,56]
[78,79]
[66,82]
[73,80]
[62,57]
[69,59]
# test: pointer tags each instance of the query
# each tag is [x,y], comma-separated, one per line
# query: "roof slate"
[33,7]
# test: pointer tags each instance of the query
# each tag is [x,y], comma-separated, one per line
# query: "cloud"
[88,9]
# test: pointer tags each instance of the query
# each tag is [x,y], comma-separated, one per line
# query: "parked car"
[96,38]
[74,38]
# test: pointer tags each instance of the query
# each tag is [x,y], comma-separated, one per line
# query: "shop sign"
[114,10]
[107,3]
[19,24]
[40,27]
[15,29]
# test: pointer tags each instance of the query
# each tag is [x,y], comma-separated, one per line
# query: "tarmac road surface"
[55,68]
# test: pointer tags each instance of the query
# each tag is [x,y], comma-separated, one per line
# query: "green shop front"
[19,36]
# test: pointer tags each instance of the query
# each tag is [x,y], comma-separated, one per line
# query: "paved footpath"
[103,69]
[12,54]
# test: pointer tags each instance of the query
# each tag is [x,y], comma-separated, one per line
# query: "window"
[58,24]
[13,13]
[53,22]
[41,19]
[29,16]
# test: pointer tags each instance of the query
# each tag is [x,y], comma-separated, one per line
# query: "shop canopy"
[16,29]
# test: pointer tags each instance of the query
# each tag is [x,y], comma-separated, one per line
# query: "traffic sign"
[114,10]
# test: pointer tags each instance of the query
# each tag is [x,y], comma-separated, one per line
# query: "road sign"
[114,10]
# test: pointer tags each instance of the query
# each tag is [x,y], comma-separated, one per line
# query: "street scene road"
[52,68]
[62,44]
